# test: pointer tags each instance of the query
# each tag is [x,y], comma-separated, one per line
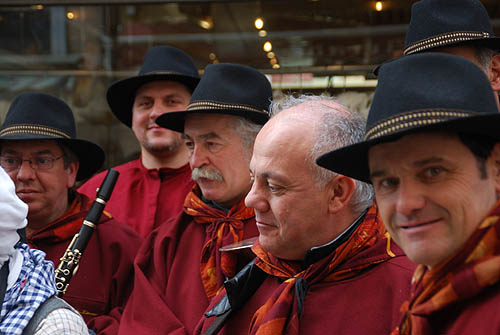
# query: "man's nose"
[198,157]
[409,198]
[255,199]
[25,171]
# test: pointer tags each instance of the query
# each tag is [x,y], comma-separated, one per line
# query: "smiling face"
[430,193]
[44,191]
[291,210]
[218,158]
[152,100]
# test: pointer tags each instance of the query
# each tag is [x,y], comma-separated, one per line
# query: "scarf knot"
[282,312]
[221,229]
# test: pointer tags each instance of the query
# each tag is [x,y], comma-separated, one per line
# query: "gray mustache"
[206,173]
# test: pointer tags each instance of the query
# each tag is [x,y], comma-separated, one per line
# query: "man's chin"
[208,189]
[157,148]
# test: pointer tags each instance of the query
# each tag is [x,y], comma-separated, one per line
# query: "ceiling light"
[70,15]
[270,55]
[273,61]
[37,7]
[379,6]
[262,33]
[212,56]
[206,23]
[268,47]
[259,23]
[276,66]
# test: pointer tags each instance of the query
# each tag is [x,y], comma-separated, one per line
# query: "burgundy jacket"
[144,199]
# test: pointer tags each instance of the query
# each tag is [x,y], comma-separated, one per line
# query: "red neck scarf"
[221,229]
[281,313]
[66,226]
[469,271]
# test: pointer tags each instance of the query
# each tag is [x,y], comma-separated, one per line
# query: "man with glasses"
[40,152]
[27,291]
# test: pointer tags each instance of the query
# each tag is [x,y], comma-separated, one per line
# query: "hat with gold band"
[161,63]
[40,116]
[226,89]
[416,93]
[444,23]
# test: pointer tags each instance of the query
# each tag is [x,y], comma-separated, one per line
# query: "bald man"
[321,243]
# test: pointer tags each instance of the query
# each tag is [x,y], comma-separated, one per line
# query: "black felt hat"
[160,63]
[428,91]
[441,23]
[40,116]
[226,89]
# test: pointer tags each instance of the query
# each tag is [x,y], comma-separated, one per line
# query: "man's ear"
[494,74]
[495,159]
[341,191]
[72,170]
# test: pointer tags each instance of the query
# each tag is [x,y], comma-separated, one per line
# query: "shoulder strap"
[219,322]
[41,313]
[4,275]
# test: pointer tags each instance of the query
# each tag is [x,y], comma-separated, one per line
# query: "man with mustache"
[431,150]
[40,152]
[180,267]
[151,189]
[321,244]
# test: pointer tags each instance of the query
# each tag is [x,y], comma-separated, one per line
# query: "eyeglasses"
[41,163]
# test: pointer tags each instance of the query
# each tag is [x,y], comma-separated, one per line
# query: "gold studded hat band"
[445,39]
[31,129]
[420,93]
[210,105]
[413,119]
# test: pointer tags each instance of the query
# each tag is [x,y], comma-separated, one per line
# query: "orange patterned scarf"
[282,311]
[465,274]
[66,226]
[221,229]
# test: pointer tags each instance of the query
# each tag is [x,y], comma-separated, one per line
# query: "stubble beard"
[169,148]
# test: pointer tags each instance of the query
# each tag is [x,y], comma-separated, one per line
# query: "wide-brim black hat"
[40,116]
[416,93]
[161,63]
[226,89]
[444,23]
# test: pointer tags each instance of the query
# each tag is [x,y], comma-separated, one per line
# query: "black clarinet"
[71,258]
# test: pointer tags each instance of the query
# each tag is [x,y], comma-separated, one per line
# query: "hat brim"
[352,161]
[121,94]
[90,155]
[175,120]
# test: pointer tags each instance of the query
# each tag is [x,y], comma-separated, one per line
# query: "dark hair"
[68,155]
[481,147]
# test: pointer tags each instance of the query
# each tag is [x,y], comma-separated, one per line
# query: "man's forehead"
[208,125]
[29,146]
[414,147]
[266,167]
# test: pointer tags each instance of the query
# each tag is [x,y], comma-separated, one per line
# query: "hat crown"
[41,110]
[429,82]
[233,85]
[430,18]
[167,59]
